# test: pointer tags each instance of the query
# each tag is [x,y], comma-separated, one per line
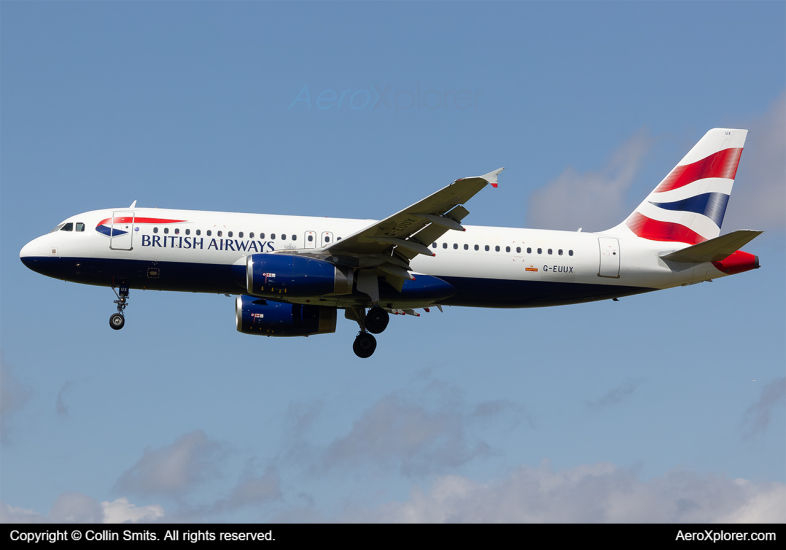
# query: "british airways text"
[234,245]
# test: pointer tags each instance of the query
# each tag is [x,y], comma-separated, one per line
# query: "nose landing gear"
[118,320]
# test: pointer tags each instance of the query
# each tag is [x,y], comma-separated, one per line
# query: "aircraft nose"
[29,251]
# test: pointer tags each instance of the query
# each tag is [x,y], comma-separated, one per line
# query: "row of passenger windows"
[507,249]
[78,226]
[69,227]
[240,234]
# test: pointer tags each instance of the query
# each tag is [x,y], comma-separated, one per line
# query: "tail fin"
[689,204]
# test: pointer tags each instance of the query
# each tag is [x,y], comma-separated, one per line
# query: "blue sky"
[662,407]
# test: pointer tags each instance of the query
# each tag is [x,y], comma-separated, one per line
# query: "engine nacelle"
[271,275]
[258,316]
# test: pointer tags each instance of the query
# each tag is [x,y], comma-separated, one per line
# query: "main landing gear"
[375,322]
[118,320]
[364,345]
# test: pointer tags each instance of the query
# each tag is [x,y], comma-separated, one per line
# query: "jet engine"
[272,275]
[267,318]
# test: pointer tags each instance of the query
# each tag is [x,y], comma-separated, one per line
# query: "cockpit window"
[80,226]
[58,228]
[68,227]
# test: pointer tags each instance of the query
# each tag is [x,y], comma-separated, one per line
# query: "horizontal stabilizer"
[714,250]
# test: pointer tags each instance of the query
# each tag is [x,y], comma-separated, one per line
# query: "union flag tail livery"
[292,274]
[689,204]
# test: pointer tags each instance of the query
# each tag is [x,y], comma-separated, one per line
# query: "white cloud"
[759,197]
[616,395]
[75,508]
[60,407]
[72,507]
[757,416]
[13,396]
[251,490]
[121,511]
[428,434]
[12,514]
[175,469]
[593,200]
[586,494]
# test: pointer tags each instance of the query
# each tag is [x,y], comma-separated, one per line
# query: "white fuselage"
[489,266]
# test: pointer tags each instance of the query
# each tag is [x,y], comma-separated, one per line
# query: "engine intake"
[257,316]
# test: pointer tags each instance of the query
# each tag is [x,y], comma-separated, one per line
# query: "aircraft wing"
[410,231]
[385,248]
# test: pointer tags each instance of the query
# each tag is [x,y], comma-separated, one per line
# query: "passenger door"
[609,257]
[121,231]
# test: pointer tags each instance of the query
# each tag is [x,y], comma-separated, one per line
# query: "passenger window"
[477,247]
[261,235]
[240,235]
[444,245]
[327,239]
[455,246]
[529,250]
[549,252]
[496,249]
[294,237]
[518,250]
[310,238]
[433,245]
[198,232]
[209,233]
[507,249]
[338,239]
[177,231]
[283,237]
[229,234]
[68,227]
[570,253]
[540,251]
[251,235]
[560,252]
[272,236]
[80,226]
[487,248]
[155,230]
[219,233]
[188,231]
[466,247]
[166,230]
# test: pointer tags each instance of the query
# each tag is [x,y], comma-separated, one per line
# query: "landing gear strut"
[365,343]
[118,320]
[377,320]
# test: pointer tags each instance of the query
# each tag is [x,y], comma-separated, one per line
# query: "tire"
[117,321]
[364,345]
[377,320]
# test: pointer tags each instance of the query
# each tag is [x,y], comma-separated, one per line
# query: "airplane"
[292,274]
